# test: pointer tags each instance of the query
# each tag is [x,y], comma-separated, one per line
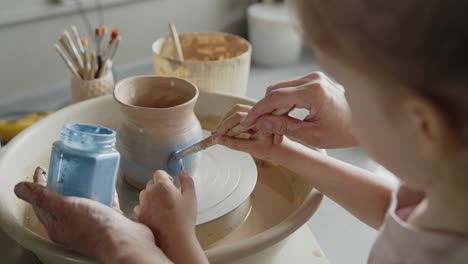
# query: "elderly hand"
[328,124]
[88,227]
[171,214]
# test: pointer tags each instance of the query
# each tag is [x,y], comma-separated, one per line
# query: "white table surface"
[343,238]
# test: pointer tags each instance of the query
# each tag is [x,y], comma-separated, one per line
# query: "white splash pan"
[267,224]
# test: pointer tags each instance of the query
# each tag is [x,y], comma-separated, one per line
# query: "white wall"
[29,64]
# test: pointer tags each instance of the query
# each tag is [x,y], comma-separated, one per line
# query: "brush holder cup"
[158,119]
[86,89]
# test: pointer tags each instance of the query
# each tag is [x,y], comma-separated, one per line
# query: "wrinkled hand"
[258,143]
[171,214]
[328,124]
[85,226]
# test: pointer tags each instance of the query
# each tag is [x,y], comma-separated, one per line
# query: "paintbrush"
[78,41]
[174,163]
[67,62]
[109,51]
[115,33]
[97,33]
[76,55]
[86,67]
[93,64]
[104,30]
[117,41]
[66,47]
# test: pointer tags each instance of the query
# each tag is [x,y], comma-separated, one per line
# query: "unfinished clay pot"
[158,120]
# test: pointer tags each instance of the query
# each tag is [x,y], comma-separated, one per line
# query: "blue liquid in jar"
[85,163]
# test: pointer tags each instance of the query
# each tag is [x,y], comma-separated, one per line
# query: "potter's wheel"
[224,180]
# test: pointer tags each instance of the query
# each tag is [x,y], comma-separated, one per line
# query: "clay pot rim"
[186,103]
[156,51]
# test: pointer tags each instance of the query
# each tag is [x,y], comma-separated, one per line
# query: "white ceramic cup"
[272,35]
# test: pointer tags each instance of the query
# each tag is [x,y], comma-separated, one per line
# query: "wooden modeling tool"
[174,164]
[175,38]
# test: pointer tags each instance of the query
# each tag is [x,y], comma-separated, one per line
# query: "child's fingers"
[187,185]
[237,143]
[230,123]
[280,125]
[237,108]
[277,139]
[293,83]
[141,196]
[136,210]
[161,176]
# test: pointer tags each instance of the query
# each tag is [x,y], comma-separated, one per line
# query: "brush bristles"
[115,33]
[93,53]
[97,31]
[84,42]
[61,39]
[104,29]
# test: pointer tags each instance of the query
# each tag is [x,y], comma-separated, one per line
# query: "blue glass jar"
[85,163]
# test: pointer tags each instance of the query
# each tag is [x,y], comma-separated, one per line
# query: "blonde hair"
[421,44]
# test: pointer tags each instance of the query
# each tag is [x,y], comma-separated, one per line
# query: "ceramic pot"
[227,74]
[86,89]
[158,119]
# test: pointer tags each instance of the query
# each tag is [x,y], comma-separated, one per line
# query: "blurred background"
[28,28]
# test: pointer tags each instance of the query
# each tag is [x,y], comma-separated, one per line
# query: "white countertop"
[343,238]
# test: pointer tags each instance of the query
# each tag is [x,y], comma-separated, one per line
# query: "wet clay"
[206,47]
[162,100]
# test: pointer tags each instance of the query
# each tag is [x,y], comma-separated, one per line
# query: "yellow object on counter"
[9,129]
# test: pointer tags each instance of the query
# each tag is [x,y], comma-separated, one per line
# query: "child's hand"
[328,124]
[260,144]
[171,214]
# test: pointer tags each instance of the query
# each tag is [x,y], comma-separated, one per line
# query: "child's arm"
[358,191]
[355,189]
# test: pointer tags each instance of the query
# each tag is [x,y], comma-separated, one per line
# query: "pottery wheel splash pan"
[280,203]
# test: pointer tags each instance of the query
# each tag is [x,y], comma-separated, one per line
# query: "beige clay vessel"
[157,119]
[228,75]
[280,203]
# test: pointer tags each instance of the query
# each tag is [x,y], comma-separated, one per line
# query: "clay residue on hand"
[206,46]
